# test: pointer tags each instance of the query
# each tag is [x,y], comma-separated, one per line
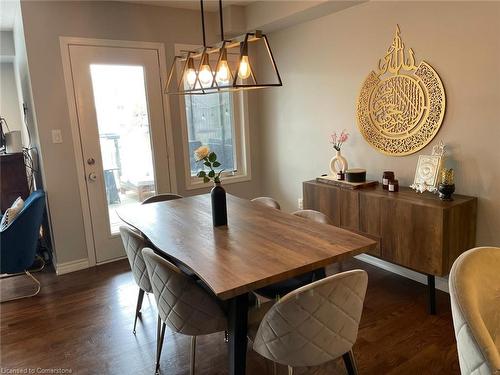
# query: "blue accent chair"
[18,241]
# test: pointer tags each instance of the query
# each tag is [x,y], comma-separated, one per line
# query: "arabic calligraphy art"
[401,106]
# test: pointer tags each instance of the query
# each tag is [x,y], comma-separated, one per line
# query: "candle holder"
[447,184]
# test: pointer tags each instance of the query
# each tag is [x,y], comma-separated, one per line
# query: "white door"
[119,104]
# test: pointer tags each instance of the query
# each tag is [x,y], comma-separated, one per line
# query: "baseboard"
[111,260]
[75,265]
[441,282]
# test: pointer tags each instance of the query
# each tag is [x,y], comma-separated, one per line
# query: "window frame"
[241,138]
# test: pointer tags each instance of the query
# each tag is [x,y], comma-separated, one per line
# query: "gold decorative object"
[401,106]
[447,176]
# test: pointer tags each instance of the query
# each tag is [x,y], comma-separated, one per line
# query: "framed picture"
[426,175]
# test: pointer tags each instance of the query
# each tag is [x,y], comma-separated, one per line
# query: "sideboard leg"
[431,285]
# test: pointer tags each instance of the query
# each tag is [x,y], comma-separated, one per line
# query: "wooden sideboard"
[417,231]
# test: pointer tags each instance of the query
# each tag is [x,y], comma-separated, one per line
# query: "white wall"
[323,64]
[44,23]
[9,100]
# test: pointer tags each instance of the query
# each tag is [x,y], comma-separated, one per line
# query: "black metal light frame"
[204,52]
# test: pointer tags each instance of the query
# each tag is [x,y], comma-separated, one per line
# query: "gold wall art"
[401,106]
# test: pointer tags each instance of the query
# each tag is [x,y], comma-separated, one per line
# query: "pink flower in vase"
[343,137]
[337,141]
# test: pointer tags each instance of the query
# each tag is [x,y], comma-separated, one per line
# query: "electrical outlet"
[57,136]
[300,203]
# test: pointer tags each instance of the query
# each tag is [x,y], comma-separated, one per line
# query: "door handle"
[92,176]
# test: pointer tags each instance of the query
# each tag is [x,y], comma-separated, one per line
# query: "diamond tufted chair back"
[133,242]
[267,201]
[183,305]
[314,216]
[475,305]
[314,324]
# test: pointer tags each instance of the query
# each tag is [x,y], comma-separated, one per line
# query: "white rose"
[201,153]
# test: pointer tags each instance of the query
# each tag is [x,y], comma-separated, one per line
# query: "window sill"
[197,183]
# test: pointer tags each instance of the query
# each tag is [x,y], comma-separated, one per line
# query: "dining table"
[259,246]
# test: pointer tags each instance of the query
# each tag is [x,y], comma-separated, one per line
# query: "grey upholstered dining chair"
[475,305]
[267,201]
[161,198]
[313,215]
[314,324]
[182,304]
[133,242]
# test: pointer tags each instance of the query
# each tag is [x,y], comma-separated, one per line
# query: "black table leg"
[237,317]
[431,285]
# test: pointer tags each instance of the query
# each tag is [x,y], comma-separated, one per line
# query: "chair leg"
[140,298]
[350,363]
[160,334]
[36,282]
[193,355]
[290,370]
[275,368]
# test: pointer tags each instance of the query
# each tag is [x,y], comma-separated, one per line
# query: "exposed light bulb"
[223,72]
[190,73]
[244,69]
[205,74]
[191,77]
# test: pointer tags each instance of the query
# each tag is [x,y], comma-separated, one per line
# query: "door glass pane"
[209,122]
[124,135]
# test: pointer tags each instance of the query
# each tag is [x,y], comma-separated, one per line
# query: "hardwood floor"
[83,322]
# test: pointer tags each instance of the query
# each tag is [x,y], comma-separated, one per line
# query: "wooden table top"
[260,245]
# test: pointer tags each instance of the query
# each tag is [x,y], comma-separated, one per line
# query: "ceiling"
[209,5]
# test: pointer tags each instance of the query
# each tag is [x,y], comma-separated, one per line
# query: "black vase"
[445,191]
[219,209]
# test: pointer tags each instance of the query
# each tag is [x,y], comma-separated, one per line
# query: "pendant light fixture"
[235,63]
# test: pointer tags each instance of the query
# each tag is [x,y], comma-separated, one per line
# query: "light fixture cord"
[221,21]
[203,23]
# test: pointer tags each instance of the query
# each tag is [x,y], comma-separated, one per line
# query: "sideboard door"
[349,209]
[412,235]
[323,198]
[369,219]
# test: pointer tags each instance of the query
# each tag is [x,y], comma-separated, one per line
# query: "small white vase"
[338,163]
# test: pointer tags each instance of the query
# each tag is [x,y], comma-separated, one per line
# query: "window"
[218,121]
[210,121]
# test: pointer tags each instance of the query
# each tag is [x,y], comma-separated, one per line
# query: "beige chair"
[475,304]
[314,324]
[314,216]
[161,198]
[133,243]
[266,201]
[182,304]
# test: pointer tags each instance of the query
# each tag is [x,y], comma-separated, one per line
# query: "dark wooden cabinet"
[417,231]
[13,180]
